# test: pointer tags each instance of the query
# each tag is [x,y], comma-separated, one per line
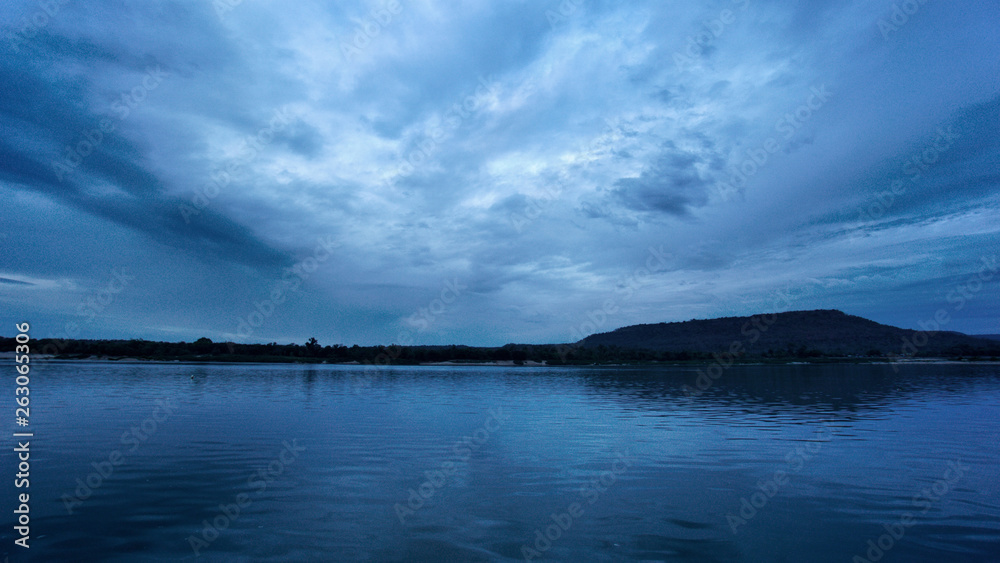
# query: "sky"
[481,173]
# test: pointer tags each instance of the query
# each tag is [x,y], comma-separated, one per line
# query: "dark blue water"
[298,463]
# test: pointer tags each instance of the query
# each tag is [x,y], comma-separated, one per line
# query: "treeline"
[796,334]
[205,350]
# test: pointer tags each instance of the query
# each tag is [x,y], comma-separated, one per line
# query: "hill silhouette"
[824,335]
[796,333]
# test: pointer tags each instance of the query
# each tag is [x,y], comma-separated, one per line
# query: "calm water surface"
[326,463]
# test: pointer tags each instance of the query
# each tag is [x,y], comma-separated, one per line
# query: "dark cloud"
[672,185]
[539,163]
[57,146]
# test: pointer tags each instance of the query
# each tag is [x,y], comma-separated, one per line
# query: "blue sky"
[493,172]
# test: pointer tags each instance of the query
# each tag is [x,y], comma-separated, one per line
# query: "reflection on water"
[146,462]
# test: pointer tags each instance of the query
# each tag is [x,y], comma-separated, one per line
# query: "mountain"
[781,336]
[988,336]
[800,333]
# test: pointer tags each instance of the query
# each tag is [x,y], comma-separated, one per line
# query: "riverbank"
[209,359]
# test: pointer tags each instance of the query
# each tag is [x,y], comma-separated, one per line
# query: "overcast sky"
[492,172]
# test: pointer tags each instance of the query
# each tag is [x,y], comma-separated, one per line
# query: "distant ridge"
[821,332]
[821,336]
[988,336]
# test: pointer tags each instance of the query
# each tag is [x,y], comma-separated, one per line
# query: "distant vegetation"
[802,335]
[794,334]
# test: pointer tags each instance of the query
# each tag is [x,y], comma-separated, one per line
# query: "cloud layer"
[492,172]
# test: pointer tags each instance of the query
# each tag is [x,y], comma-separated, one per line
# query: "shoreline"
[505,363]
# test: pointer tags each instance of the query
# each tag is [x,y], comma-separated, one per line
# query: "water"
[506,456]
